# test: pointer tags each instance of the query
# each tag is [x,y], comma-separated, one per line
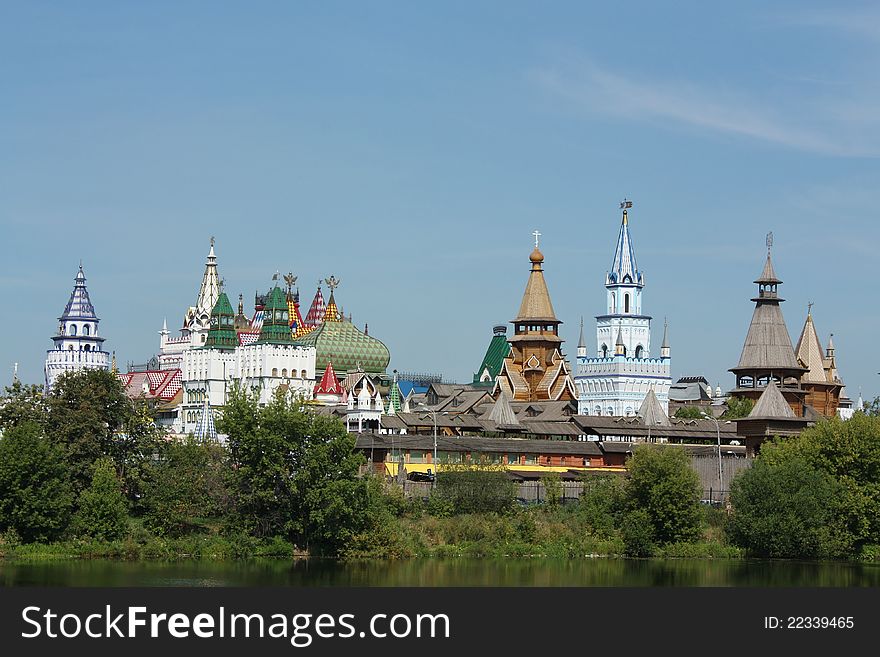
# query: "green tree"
[187,484]
[35,491]
[22,403]
[787,508]
[103,511]
[294,473]
[738,407]
[552,489]
[92,418]
[849,451]
[689,412]
[873,408]
[663,484]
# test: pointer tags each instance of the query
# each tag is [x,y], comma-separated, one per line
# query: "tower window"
[85,329]
[604,351]
[73,329]
[626,303]
[639,351]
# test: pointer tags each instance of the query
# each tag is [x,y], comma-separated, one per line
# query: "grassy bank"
[562,531]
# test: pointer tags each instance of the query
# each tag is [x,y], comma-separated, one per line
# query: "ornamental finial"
[769,241]
[290,279]
[332,282]
[625,205]
[537,235]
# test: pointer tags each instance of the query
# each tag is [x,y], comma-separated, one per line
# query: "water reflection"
[444,572]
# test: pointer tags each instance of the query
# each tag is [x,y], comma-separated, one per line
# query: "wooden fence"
[534,491]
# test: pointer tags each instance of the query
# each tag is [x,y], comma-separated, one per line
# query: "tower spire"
[582,346]
[624,270]
[209,291]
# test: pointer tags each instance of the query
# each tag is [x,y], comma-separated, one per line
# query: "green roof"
[221,334]
[348,348]
[494,359]
[276,319]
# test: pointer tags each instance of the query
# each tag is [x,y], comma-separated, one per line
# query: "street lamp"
[709,416]
[433,413]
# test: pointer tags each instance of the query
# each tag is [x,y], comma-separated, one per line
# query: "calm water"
[451,572]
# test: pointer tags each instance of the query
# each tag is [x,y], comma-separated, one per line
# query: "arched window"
[73,329]
[274,371]
[626,303]
[292,374]
[613,302]
[85,329]
[284,372]
[88,347]
[639,351]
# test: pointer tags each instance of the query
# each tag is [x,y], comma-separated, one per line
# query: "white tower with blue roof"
[77,343]
[617,379]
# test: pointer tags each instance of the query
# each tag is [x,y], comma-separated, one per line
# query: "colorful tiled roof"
[157,384]
[248,337]
[347,346]
[317,310]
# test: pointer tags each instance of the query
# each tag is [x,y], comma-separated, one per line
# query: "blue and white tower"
[77,343]
[617,380]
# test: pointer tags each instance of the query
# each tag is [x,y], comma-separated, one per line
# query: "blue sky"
[411,148]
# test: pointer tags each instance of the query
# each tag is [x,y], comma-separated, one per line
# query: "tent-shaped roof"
[771,403]
[651,411]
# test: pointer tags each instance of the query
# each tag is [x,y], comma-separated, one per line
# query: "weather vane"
[332,282]
[625,204]
[769,241]
[212,240]
[276,275]
[221,284]
[537,235]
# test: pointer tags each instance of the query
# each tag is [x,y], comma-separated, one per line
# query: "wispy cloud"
[813,125]
[860,21]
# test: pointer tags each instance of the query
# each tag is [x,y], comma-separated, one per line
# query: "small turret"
[664,348]
[619,346]
[582,346]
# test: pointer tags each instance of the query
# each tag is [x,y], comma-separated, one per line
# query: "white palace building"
[617,380]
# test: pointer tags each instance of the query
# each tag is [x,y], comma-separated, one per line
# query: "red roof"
[155,384]
[329,384]
[317,310]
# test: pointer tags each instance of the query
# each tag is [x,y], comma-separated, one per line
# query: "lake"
[444,572]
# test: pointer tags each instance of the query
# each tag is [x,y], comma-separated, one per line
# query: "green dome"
[347,347]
